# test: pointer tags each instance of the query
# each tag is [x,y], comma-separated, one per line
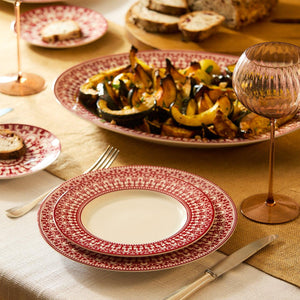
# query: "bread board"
[225,40]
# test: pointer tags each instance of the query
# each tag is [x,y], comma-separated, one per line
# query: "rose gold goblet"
[20,83]
[266,80]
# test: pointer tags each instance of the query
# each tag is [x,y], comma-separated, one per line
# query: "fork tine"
[100,159]
[105,160]
[108,159]
[111,159]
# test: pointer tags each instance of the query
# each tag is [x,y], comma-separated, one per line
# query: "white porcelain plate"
[92,24]
[134,211]
[67,86]
[42,149]
[223,227]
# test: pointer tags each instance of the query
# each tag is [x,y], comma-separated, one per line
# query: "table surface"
[30,269]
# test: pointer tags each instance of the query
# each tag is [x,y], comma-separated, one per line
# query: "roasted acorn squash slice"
[88,95]
[204,103]
[207,117]
[142,79]
[167,92]
[224,127]
[177,76]
[108,74]
[170,129]
[135,60]
[106,92]
[127,116]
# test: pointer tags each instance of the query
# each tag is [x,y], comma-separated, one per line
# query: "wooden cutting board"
[226,40]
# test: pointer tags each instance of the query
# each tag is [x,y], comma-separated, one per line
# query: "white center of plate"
[133,216]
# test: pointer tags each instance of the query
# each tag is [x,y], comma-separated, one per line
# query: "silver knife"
[4,111]
[220,268]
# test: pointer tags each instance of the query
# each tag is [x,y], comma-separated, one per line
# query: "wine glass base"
[256,209]
[27,84]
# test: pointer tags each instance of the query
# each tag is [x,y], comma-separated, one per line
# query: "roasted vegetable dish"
[195,102]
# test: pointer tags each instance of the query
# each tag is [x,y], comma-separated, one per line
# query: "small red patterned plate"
[134,211]
[223,227]
[92,24]
[42,150]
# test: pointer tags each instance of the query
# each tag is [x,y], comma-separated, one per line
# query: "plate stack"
[137,218]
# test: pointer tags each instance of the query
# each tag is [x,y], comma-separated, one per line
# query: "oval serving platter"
[66,89]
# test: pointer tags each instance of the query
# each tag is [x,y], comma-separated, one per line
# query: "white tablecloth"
[30,269]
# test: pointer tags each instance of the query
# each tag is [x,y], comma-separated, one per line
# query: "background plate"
[42,150]
[93,25]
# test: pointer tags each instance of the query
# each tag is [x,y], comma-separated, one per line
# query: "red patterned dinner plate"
[223,227]
[92,24]
[42,149]
[67,85]
[133,211]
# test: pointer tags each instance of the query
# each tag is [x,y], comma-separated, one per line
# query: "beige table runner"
[240,171]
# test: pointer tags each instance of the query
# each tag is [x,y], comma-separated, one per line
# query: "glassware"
[20,83]
[266,80]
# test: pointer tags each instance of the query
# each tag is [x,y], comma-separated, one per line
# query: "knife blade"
[220,268]
[4,111]
[286,20]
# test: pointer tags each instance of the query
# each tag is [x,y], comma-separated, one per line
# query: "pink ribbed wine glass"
[266,80]
[20,83]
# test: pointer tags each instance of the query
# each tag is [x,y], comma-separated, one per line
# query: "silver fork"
[103,162]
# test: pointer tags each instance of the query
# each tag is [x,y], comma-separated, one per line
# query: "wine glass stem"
[17,15]
[270,200]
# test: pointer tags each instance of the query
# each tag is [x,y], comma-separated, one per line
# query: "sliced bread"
[11,145]
[60,30]
[170,7]
[237,13]
[152,21]
[199,25]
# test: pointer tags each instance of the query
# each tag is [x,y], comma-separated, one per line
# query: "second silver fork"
[103,162]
